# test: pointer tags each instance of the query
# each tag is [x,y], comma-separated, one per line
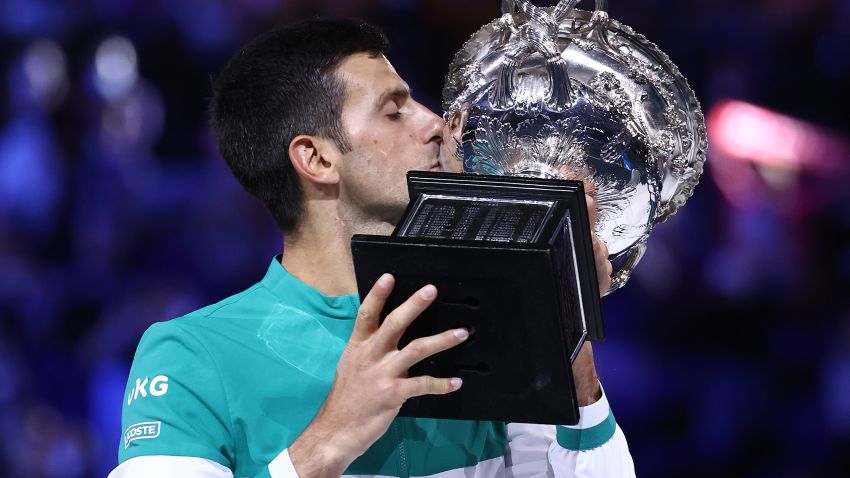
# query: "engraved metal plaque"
[480,219]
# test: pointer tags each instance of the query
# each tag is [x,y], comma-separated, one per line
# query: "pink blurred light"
[758,156]
[744,132]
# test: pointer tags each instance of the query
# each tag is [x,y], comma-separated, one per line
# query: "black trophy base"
[516,363]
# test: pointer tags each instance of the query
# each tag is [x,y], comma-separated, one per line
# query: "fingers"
[368,315]
[425,347]
[600,250]
[428,385]
[604,281]
[603,265]
[399,319]
[592,212]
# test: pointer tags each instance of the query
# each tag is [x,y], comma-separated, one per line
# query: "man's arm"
[174,402]
[595,447]
[164,466]
[588,389]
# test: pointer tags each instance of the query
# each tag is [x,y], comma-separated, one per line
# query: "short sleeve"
[174,403]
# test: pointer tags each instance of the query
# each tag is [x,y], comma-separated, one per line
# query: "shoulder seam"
[221,384]
[241,296]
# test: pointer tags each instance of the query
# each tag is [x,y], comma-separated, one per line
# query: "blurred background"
[728,352]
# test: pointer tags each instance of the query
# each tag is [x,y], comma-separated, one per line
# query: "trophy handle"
[503,88]
[558,14]
[562,8]
[623,268]
[598,23]
[535,37]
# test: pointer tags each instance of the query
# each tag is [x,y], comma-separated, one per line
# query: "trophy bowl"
[569,94]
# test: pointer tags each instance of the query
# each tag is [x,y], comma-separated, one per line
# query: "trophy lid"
[560,92]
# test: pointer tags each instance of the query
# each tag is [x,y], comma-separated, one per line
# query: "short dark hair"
[281,85]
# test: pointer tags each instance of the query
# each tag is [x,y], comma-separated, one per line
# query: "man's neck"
[319,253]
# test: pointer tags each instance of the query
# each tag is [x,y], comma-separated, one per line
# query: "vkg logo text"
[156,388]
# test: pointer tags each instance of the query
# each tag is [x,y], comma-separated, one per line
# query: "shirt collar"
[302,295]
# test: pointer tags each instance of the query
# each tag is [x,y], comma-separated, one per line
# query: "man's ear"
[314,159]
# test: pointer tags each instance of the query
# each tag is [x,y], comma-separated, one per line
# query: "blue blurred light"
[22,18]
[836,389]
[116,68]
[44,67]
[106,391]
[65,458]
[29,172]
[9,377]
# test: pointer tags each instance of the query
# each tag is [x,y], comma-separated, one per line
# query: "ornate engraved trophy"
[564,93]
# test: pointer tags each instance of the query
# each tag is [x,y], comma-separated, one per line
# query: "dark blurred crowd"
[728,352]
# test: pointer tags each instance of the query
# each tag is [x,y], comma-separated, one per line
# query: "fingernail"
[456,383]
[384,281]
[461,333]
[428,292]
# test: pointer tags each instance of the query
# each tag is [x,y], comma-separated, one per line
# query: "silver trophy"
[564,93]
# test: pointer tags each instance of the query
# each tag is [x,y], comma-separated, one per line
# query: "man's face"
[389,133]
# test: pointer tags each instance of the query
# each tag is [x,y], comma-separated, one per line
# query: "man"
[294,377]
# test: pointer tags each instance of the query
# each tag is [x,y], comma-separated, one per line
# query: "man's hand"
[600,250]
[584,370]
[371,383]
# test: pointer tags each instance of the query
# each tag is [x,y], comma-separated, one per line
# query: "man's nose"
[432,126]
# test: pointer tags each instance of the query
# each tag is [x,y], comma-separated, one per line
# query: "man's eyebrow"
[400,92]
